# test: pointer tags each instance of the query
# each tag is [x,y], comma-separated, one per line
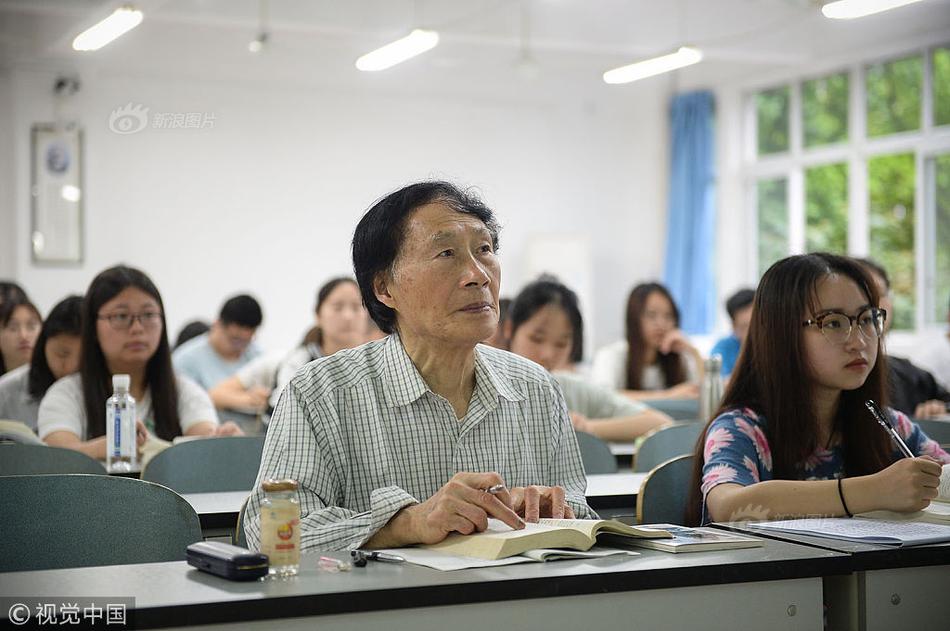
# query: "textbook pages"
[873,531]
[937,513]
[499,541]
[696,540]
[448,562]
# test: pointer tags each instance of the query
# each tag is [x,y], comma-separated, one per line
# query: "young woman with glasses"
[793,436]
[123,331]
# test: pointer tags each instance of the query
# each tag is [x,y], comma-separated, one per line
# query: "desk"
[610,493]
[889,588]
[777,586]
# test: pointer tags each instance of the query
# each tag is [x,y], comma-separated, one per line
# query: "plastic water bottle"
[710,395]
[121,447]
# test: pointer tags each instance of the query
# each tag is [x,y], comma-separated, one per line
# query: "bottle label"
[280,533]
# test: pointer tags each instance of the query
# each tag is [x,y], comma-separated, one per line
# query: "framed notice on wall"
[56,189]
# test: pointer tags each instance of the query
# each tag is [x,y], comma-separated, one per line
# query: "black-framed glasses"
[123,321]
[837,326]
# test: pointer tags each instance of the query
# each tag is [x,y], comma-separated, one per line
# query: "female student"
[793,436]
[123,331]
[656,361]
[20,325]
[55,355]
[341,322]
[545,325]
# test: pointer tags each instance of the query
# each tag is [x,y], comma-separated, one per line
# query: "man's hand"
[462,505]
[534,502]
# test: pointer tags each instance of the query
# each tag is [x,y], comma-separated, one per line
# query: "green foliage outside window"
[942,263]
[826,208]
[773,221]
[891,187]
[941,83]
[825,110]
[893,96]
[772,114]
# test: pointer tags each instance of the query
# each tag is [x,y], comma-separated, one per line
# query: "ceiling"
[557,44]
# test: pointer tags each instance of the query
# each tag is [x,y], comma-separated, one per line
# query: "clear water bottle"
[710,395]
[121,447]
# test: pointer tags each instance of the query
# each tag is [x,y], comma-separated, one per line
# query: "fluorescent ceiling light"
[850,9]
[685,56]
[120,22]
[71,193]
[416,43]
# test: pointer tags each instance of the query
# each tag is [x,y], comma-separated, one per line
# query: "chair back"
[677,409]
[77,520]
[595,454]
[937,430]
[662,444]
[665,492]
[19,459]
[239,538]
[208,465]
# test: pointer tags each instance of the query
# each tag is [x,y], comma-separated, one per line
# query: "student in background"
[190,331]
[123,332]
[792,436]
[656,361]
[20,325]
[11,291]
[55,355]
[545,325]
[499,338]
[216,355]
[340,323]
[739,308]
[913,390]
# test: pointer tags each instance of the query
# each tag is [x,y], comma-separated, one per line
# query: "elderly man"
[397,441]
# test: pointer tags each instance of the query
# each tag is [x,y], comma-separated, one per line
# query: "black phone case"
[230,562]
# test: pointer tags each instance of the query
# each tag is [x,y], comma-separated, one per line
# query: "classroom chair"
[665,492]
[208,465]
[677,409]
[18,459]
[937,430]
[77,520]
[239,538]
[595,454]
[664,443]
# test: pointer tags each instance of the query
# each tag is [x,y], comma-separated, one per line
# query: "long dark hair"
[315,334]
[96,379]
[772,375]
[548,291]
[12,301]
[671,364]
[64,319]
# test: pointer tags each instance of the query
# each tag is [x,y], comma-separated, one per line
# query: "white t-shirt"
[62,409]
[934,357]
[16,404]
[610,369]
[273,372]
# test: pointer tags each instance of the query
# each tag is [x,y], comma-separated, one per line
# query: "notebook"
[873,531]
[938,512]
[500,541]
[695,540]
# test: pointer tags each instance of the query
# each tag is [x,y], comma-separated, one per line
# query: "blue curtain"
[691,228]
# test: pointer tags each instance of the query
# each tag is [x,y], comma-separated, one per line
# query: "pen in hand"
[879,417]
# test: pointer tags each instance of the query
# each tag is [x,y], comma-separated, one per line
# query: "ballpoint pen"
[879,417]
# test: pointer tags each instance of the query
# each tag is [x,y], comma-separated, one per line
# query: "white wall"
[266,201]
[8,214]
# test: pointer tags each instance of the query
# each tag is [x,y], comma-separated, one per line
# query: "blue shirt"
[728,349]
[199,361]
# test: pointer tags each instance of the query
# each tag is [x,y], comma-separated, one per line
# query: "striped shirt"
[364,436]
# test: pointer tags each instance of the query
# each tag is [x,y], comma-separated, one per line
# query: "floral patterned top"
[737,451]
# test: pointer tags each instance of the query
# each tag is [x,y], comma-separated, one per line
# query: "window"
[891,217]
[825,110]
[773,221]
[826,209]
[893,96]
[772,109]
[804,172]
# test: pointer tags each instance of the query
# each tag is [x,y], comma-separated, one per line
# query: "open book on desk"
[938,512]
[449,562]
[499,541]
[872,531]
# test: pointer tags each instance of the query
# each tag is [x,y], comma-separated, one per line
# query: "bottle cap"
[279,485]
[120,382]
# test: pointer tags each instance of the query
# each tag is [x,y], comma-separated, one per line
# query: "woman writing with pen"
[794,435]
